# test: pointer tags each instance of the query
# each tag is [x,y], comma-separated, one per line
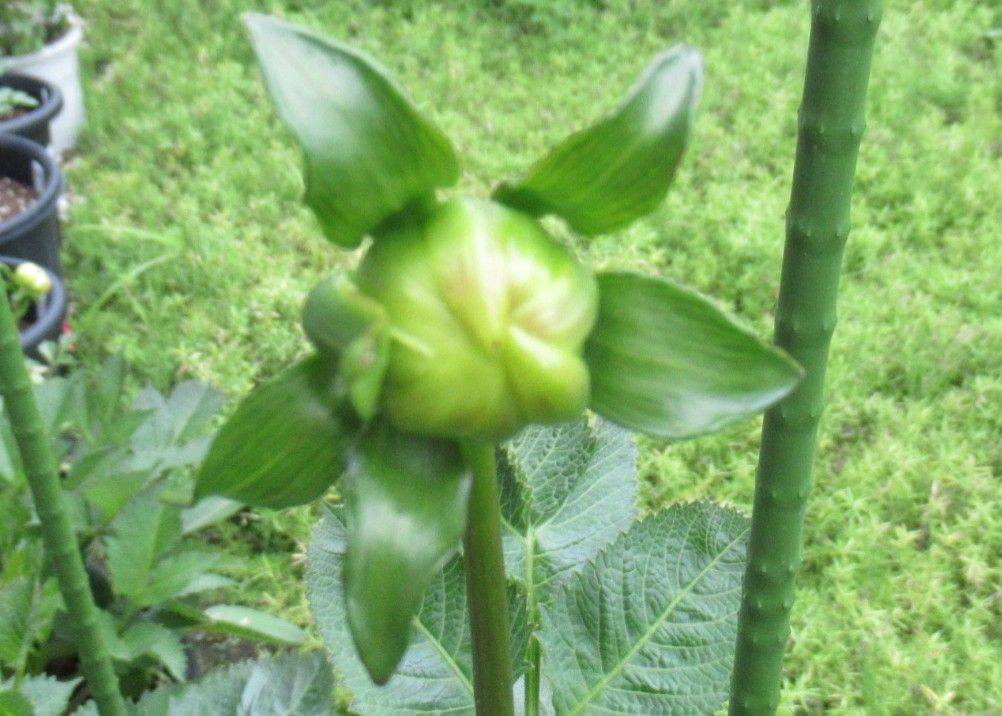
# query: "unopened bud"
[33,278]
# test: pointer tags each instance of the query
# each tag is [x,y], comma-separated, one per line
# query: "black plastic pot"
[34,124]
[49,314]
[34,233]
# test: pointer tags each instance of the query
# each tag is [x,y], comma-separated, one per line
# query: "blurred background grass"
[189,253]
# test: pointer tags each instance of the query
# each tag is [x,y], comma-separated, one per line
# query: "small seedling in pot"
[14,101]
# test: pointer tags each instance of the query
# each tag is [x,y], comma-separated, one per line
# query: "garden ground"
[189,253]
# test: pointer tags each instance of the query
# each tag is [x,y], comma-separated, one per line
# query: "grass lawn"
[189,253]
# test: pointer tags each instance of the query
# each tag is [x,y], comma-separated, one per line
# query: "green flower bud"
[33,278]
[487,319]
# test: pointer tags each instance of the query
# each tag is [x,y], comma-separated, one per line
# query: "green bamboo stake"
[831,124]
[57,530]
[486,587]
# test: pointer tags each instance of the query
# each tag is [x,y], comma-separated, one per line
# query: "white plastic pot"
[58,64]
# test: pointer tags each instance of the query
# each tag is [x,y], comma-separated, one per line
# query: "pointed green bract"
[667,362]
[602,178]
[436,673]
[648,627]
[283,446]
[405,511]
[348,326]
[368,152]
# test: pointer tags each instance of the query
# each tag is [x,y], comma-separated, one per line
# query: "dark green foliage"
[648,627]
[298,684]
[665,361]
[368,153]
[27,25]
[127,467]
[405,512]
[556,482]
[284,445]
[906,509]
[606,176]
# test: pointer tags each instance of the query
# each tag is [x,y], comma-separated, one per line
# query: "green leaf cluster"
[299,684]
[611,612]
[127,466]
[465,322]
[12,100]
[27,25]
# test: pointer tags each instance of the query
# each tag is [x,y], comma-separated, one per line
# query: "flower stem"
[486,592]
[57,530]
[532,677]
[831,124]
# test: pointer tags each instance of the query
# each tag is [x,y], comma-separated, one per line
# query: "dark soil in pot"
[15,197]
[33,233]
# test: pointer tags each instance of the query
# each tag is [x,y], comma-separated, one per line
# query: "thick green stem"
[486,591]
[831,124]
[57,530]
[532,678]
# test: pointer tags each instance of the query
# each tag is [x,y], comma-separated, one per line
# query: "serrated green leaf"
[569,490]
[172,434]
[435,675]
[368,151]
[251,624]
[47,695]
[296,686]
[602,178]
[15,606]
[142,533]
[159,643]
[208,511]
[13,703]
[667,362]
[174,575]
[205,583]
[291,685]
[110,491]
[649,627]
[109,387]
[28,605]
[284,445]
[405,510]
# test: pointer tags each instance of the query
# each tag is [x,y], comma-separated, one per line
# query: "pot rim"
[68,41]
[50,310]
[19,223]
[48,107]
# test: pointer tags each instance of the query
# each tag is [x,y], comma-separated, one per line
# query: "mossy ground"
[190,254]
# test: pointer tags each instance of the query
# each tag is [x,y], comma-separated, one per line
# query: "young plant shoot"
[466,325]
